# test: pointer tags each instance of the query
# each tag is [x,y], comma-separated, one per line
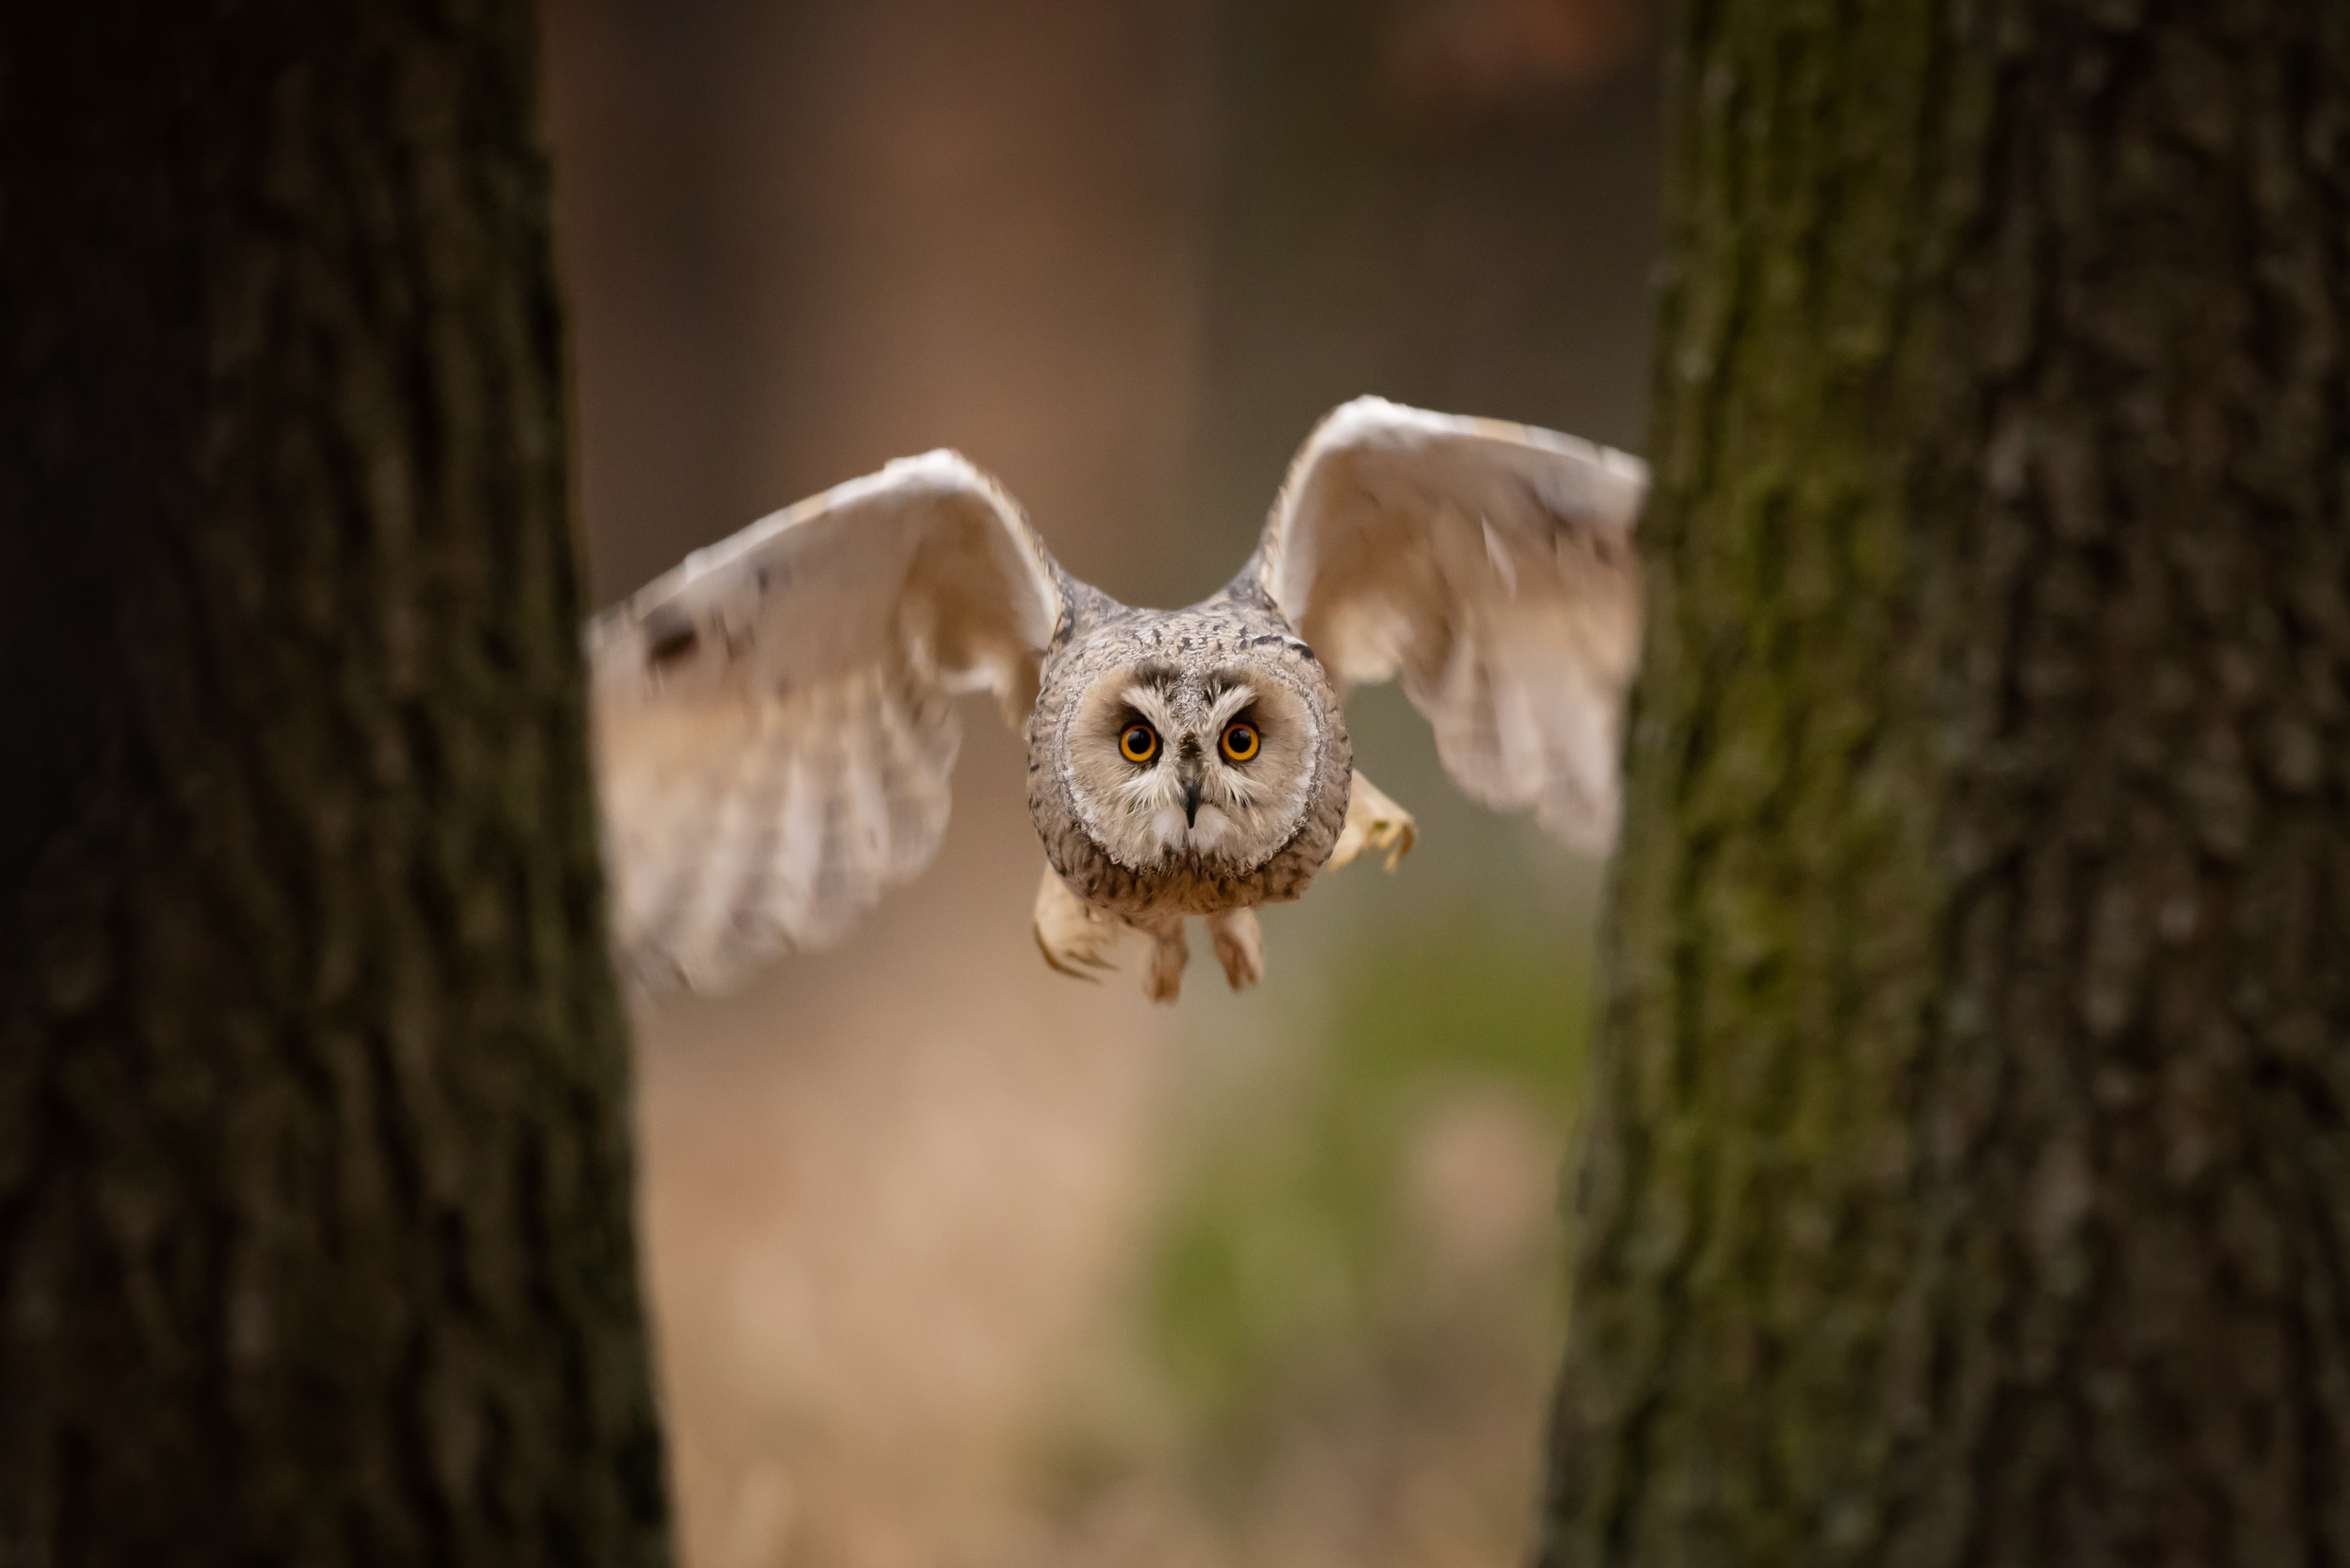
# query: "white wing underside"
[774,719]
[1491,566]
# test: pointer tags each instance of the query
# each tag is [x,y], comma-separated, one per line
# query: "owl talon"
[1374,821]
[1240,946]
[1057,967]
[1163,980]
[1072,934]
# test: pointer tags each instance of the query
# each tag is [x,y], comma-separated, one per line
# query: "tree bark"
[315,1178]
[1971,1179]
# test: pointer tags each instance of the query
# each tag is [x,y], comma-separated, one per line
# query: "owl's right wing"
[1491,566]
[773,721]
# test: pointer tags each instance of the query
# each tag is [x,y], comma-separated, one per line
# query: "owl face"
[1207,763]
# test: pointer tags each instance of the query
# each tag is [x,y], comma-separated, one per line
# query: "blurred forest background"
[955,1261]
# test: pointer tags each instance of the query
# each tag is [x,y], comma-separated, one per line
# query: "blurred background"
[955,1261]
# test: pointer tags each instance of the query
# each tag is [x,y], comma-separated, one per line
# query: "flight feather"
[1491,566]
[774,719]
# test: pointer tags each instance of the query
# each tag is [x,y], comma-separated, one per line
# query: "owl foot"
[1373,820]
[1240,946]
[1163,980]
[1072,934]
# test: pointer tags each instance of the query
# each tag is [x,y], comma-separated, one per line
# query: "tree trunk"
[1971,1182]
[314,1181]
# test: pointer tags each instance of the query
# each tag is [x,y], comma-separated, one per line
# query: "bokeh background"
[955,1261]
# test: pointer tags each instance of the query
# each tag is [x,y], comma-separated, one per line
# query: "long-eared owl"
[775,721]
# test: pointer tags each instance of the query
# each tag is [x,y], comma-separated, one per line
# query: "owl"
[775,720]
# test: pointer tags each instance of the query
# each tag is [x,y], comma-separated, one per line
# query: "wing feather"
[774,719]
[1489,565]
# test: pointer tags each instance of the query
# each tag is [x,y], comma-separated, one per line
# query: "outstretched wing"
[1492,567]
[774,722]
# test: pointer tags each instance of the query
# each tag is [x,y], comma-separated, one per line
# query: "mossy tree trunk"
[314,1182]
[1971,1182]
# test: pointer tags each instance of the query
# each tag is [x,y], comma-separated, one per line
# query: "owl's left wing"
[1492,567]
[773,723]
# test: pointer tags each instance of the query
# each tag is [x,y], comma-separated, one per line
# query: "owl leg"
[1374,821]
[1072,934]
[1240,946]
[1163,980]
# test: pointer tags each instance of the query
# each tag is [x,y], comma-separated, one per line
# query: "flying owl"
[775,722]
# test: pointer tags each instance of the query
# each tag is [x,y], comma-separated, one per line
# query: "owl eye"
[1241,741]
[1139,743]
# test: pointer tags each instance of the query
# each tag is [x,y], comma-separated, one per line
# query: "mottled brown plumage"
[1237,642]
[774,724]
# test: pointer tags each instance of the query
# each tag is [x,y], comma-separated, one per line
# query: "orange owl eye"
[1139,743]
[1241,741]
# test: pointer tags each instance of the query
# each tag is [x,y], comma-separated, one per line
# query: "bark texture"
[1971,1182]
[315,1183]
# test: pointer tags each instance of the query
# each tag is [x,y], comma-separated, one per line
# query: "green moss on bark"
[1967,1175]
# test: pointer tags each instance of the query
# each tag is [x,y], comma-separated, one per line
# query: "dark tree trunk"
[314,1182]
[1972,1178]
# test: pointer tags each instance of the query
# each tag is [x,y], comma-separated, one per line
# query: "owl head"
[1201,753]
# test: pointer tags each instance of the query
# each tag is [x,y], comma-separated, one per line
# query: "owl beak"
[1188,770]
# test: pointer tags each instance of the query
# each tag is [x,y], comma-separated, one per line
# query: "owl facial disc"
[1208,761]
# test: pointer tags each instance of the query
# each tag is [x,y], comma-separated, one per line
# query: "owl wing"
[774,719]
[1492,567]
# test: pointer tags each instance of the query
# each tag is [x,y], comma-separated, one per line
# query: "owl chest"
[1174,891]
